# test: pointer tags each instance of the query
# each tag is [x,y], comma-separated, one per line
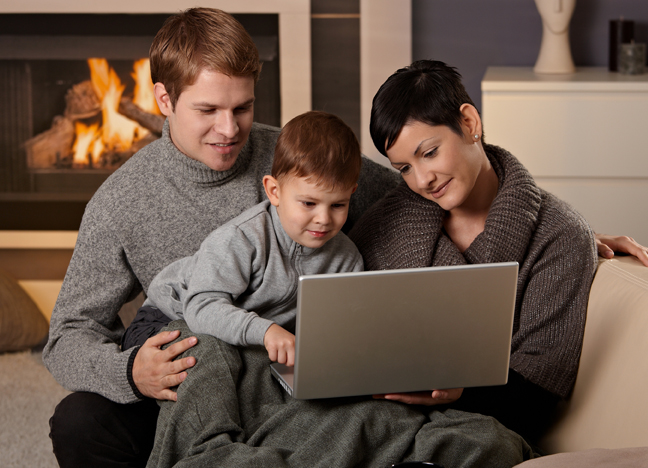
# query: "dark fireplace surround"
[41,57]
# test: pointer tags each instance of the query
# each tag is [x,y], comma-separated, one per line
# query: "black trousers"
[88,430]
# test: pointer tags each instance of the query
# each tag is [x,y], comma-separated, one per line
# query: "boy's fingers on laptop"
[280,345]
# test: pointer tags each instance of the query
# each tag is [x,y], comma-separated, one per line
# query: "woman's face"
[437,163]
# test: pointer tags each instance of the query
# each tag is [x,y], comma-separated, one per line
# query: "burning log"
[81,101]
[151,122]
[52,148]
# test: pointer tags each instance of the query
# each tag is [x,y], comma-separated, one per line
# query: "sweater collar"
[411,231]
[288,246]
[188,169]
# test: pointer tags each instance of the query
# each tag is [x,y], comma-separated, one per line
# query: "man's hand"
[436,397]
[154,369]
[607,245]
[280,345]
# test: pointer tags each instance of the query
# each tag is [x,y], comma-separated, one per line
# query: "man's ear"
[271,186]
[471,122]
[163,99]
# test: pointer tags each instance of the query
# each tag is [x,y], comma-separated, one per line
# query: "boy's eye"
[338,205]
[308,203]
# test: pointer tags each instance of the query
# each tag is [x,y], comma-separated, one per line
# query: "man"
[206,169]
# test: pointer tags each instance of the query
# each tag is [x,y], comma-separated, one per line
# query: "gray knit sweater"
[158,207]
[552,243]
[244,277]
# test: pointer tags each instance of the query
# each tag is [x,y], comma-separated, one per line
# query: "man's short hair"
[197,39]
[320,147]
[427,91]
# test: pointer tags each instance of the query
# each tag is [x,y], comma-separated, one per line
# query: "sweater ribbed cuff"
[129,373]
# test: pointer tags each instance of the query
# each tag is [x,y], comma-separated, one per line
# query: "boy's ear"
[163,99]
[271,186]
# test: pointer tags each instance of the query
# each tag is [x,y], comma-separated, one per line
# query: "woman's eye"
[430,153]
[405,170]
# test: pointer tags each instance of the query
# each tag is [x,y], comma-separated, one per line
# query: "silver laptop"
[406,330]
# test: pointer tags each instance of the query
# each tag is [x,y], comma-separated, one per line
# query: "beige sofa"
[605,422]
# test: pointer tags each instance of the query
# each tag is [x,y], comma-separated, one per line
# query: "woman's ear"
[471,122]
[271,186]
[163,99]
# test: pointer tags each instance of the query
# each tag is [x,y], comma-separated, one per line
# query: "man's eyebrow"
[209,104]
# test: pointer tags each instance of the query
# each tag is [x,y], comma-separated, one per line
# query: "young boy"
[241,285]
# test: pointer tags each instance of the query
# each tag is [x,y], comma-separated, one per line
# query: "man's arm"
[83,351]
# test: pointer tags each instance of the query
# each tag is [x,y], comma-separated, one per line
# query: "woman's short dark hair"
[427,91]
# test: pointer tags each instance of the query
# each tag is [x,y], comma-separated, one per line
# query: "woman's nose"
[424,178]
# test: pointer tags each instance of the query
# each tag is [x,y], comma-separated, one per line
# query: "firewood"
[151,122]
[81,101]
[52,147]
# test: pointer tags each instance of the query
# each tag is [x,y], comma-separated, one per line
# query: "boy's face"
[310,214]
[212,119]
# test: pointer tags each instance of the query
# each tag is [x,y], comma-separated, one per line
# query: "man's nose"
[226,124]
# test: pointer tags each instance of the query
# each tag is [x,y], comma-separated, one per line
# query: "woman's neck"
[463,224]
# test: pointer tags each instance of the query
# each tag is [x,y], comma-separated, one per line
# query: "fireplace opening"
[78,103]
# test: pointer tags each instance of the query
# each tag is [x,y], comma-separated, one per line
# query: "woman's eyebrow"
[421,144]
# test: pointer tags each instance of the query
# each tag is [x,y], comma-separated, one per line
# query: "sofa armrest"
[607,408]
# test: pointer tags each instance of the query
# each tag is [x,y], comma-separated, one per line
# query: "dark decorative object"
[621,32]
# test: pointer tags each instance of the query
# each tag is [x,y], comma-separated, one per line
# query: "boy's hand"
[280,345]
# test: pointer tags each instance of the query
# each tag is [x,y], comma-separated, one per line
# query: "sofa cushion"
[22,325]
[607,408]
[594,458]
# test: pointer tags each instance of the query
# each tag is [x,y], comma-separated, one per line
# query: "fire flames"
[116,133]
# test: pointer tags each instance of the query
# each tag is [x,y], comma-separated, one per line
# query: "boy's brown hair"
[200,38]
[318,146]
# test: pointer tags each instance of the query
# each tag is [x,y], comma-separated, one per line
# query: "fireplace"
[78,103]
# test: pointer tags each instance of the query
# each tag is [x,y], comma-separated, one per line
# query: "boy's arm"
[221,271]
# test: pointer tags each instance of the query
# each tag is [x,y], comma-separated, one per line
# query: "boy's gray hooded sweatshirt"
[244,277]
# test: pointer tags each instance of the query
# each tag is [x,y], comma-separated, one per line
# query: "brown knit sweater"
[553,244]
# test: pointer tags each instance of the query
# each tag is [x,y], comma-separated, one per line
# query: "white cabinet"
[584,137]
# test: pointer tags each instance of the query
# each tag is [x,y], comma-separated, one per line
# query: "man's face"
[212,119]
[310,214]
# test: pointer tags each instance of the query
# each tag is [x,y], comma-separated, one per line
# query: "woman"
[464,201]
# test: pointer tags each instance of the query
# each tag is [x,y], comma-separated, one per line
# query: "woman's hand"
[436,397]
[607,245]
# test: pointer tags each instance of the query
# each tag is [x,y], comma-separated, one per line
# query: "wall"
[474,34]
